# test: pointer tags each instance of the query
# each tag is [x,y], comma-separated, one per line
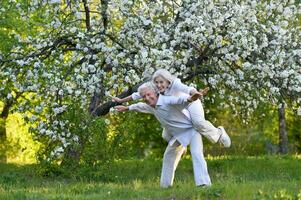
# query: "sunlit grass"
[233,177]
[297,156]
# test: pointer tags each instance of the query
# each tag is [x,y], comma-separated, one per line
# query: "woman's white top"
[176,88]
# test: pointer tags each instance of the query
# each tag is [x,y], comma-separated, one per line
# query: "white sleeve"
[141,107]
[136,96]
[173,100]
[177,85]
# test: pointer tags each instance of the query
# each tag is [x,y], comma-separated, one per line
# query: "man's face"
[161,83]
[150,97]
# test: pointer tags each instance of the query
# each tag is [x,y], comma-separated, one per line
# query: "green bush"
[91,146]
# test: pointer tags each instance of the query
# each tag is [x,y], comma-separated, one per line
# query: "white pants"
[197,116]
[173,155]
[199,122]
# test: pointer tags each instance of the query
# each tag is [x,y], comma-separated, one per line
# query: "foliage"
[58,54]
[13,24]
[2,139]
[281,194]
[88,143]
[252,133]
[136,135]
[96,143]
[20,146]
[294,127]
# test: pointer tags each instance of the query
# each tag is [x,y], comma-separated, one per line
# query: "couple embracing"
[178,108]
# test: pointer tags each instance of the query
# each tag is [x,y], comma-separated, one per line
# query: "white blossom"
[9,96]
[299,111]
[107,121]
[249,52]
[73,29]
[54,1]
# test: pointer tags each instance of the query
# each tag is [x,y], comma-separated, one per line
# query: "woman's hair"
[146,86]
[164,74]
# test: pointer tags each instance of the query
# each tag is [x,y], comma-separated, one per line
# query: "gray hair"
[164,74]
[146,86]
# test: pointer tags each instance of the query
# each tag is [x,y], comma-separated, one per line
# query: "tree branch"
[87,11]
[104,7]
[105,108]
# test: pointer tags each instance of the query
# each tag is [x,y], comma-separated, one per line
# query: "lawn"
[233,177]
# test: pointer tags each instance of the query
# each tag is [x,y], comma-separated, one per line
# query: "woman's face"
[161,83]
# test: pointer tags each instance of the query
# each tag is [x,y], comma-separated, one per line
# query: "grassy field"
[242,178]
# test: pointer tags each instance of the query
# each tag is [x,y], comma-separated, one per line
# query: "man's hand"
[121,108]
[194,97]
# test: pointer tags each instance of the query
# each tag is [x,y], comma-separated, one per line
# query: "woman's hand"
[198,94]
[204,91]
[116,99]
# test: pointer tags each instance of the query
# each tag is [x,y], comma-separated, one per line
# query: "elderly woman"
[168,85]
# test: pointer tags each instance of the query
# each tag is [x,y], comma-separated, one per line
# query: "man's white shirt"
[173,116]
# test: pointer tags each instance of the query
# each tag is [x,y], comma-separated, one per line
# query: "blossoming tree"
[249,51]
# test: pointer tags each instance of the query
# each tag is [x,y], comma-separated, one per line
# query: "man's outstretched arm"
[140,107]
[121,108]
[134,96]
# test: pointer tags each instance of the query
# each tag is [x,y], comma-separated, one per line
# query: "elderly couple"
[178,108]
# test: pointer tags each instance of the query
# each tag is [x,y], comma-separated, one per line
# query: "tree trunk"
[71,158]
[3,137]
[3,157]
[283,142]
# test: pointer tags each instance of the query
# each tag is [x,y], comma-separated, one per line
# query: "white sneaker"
[224,139]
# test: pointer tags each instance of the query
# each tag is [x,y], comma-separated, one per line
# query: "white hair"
[164,74]
[146,86]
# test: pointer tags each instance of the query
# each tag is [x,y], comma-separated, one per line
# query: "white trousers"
[172,157]
[204,127]
[199,122]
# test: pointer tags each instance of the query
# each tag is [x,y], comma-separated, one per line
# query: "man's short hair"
[146,86]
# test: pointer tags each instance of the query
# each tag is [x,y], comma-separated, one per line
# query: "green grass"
[266,177]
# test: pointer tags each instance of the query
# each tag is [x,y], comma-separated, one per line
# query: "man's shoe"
[224,139]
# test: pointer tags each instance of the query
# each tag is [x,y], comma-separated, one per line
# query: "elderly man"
[170,112]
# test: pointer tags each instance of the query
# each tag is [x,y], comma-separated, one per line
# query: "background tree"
[248,52]
[14,26]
